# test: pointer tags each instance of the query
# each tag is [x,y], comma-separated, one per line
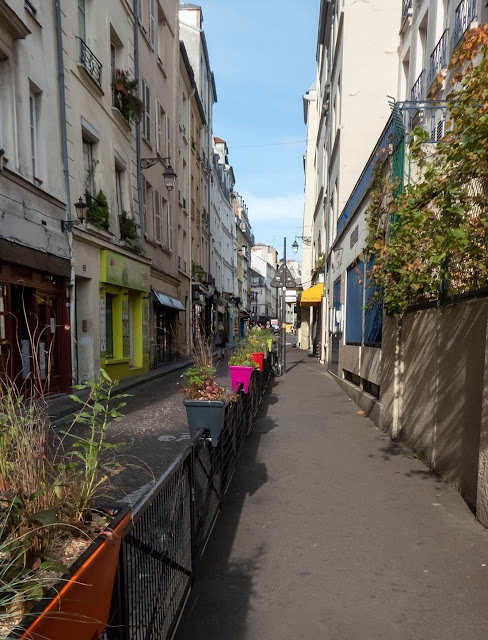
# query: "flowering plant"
[200,384]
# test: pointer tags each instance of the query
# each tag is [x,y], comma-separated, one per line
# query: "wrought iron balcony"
[418,89]
[464,16]
[406,10]
[438,58]
[90,62]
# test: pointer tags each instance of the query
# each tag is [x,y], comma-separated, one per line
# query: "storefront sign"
[124,272]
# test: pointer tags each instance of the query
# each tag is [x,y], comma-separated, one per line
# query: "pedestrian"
[221,343]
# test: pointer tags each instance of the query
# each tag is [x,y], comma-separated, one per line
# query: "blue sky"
[262,54]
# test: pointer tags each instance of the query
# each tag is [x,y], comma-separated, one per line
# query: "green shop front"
[124,315]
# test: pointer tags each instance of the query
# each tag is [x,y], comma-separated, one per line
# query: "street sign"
[283,278]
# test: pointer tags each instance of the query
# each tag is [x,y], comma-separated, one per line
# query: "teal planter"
[205,414]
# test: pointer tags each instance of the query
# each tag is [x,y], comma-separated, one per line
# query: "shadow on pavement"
[218,605]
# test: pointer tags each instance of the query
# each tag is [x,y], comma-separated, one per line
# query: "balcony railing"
[406,10]
[418,89]
[464,16]
[90,62]
[438,58]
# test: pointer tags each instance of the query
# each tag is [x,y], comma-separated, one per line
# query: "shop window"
[126,314]
[109,326]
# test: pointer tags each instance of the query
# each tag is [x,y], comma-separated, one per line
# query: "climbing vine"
[433,238]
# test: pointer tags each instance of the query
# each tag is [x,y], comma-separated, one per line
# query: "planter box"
[205,414]
[258,359]
[240,375]
[80,607]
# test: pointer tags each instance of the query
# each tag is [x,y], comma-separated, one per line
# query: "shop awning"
[168,301]
[313,296]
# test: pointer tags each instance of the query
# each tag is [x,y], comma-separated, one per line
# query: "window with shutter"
[157,217]
[168,137]
[146,120]
[170,225]
[158,127]
[152,29]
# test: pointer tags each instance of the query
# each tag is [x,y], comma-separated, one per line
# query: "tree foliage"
[433,236]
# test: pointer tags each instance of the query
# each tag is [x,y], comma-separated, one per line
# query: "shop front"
[124,315]
[34,321]
[166,310]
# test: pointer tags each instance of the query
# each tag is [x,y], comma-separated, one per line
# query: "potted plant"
[241,366]
[48,511]
[125,97]
[206,401]
[98,212]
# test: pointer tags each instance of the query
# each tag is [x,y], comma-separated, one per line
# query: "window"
[160,37]
[167,223]
[160,117]
[109,326]
[33,117]
[89,166]
[168,137]
[158,203]
[152,25]
[118,189]
[354,304]
[373,313]
[140,10]
[82,20]
[146,118]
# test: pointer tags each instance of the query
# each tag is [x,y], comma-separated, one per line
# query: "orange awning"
[313,296]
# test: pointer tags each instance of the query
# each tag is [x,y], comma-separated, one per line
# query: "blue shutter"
[354,304]
[373,315]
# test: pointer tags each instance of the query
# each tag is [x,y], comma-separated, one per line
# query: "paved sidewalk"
[330,531]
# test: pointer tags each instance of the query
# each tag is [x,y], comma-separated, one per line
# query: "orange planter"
[258,359]
[81,606]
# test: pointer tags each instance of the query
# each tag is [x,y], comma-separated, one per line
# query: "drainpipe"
[64,155]
[138,124]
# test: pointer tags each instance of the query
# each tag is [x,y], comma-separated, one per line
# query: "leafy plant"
[124,96]
[200,384]
[98,212]
[242,356]
[128,232]
[432,239]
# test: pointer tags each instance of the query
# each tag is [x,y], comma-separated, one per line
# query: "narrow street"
[330,531]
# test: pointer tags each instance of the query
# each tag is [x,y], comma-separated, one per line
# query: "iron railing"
[438,58]
[172,524]
[406,10]
[418,89]
[90,62]
[464,16]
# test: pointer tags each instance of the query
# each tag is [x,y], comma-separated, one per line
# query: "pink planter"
[240,375]
[258,359]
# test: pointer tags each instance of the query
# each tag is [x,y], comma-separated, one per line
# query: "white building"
[264,263]
[345,112]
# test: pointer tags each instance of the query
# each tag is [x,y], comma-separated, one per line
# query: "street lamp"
[306,240]
[80,206]
[169,175]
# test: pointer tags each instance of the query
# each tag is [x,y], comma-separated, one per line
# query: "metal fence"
[172,524]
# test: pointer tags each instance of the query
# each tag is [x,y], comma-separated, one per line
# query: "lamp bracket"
[146,163]
[67,225]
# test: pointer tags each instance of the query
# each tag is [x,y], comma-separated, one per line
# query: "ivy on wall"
[432,238]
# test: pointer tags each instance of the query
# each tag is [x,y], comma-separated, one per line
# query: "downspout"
[64,155]
[138,124]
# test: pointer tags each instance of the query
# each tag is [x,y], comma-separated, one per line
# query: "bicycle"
[276,358]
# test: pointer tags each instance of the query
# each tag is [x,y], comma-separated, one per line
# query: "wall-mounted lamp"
[306,240]
[169,175]
[80,206]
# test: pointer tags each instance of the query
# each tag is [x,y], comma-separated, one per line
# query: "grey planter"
[205,414]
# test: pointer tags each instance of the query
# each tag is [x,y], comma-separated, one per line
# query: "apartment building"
[35,251]
[345,111]
[264,296]
[245,241]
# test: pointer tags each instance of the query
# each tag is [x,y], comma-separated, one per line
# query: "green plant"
[432,239]
[128,227]
[98,212]
[242,356]
[124,96]
[48,494]
[86,467]
[200,384]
